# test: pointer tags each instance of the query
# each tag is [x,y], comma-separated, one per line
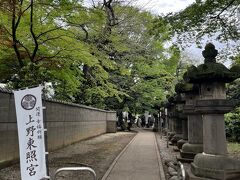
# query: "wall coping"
[8,91]
[4,90]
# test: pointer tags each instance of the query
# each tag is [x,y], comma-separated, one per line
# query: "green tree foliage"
[232,122]
[211,17]
[36,43]
[145,68]
[214,20]
[233,91]
[104,56]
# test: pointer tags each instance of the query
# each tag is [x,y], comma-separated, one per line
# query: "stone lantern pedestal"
[213,163]
[178,129]
[195,135]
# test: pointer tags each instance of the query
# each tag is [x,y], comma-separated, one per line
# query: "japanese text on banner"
[29,112]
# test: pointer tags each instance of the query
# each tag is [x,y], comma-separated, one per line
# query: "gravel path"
[97,153]
[167,153]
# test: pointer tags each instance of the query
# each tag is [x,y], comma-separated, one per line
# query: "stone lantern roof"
[171,99]
[183,87]
[211,71]
[169,102]
[179,98]
[164,104]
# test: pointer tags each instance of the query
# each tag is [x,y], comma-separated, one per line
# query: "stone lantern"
[195,131]
[171,117]
[156,116]
[163,117]
[213,163]
[181,115]
[177,117]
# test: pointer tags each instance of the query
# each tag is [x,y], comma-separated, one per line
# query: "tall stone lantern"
[194,120]
[181,117]
[171,118]
[164,116]
[213,163]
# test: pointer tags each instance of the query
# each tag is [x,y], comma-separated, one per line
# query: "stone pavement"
[140,160]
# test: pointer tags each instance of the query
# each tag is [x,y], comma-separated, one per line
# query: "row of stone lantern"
[195,119]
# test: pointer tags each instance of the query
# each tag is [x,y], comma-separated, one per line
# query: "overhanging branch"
[224,9]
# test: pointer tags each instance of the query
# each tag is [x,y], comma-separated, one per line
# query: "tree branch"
[50,30]
[110,12]
[20,14]
[33,34]
[224,9]
[50,39]
[85,30]
[93,4]
[225,29]
[26,49]
[49,57]
[14,34]
[82,26]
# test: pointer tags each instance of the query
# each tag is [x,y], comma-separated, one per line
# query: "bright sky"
[154,6]
[162,6]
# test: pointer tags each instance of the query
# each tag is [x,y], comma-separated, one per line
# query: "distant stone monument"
[163,118]
[156,127]
[213,163]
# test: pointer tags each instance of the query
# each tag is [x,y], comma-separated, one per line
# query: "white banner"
[29,112]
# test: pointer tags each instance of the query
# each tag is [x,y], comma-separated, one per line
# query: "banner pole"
[45,129]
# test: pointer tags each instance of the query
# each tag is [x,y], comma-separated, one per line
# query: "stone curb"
[160,164]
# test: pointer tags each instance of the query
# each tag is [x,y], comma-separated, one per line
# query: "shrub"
[232,122]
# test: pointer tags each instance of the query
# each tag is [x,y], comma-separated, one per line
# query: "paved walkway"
[139,161]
